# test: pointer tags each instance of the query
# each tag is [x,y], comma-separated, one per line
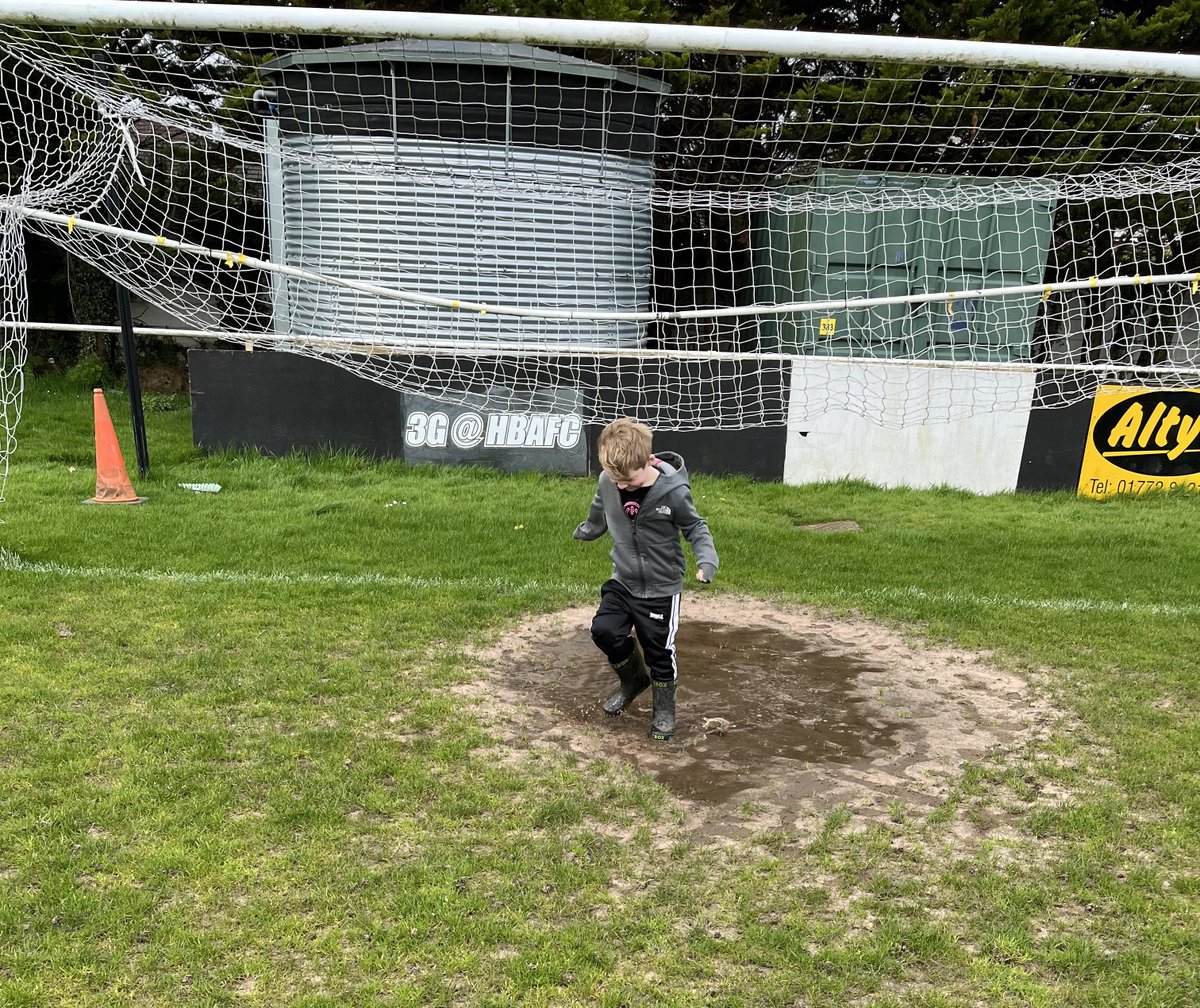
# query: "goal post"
[118,15]
[705,227]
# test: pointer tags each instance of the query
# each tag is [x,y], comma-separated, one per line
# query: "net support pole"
[133,379]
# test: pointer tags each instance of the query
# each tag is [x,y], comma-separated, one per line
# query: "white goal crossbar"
[141,14]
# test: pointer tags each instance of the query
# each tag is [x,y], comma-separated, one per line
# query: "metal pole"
[142,14]
[133,380]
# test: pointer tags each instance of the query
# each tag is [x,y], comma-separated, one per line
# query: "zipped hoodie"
[646,554]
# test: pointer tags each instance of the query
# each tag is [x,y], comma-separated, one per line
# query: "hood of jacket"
[672,473]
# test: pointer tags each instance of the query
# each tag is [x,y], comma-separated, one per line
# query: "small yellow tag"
[70,225]
[827,327]
[1046,294]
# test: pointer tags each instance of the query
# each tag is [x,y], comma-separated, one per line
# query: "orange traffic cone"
[112,481]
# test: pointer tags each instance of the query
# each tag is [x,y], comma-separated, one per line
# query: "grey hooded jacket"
[646,554]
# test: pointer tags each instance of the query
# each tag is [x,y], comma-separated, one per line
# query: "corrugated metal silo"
[495,173]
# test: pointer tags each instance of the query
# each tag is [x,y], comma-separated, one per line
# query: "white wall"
[962,428]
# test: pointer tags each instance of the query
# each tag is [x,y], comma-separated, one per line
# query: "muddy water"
[751,703]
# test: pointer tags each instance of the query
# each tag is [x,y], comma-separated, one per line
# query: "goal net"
[702,228]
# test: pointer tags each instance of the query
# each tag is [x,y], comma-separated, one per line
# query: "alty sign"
[1141,439]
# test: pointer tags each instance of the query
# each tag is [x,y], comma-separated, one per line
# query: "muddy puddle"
[747,699]
[788,712]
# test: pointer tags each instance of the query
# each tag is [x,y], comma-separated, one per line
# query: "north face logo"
[663,510]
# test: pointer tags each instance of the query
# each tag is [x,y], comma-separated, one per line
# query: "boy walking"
[644,502]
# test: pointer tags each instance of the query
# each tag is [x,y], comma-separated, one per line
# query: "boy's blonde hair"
[624,447]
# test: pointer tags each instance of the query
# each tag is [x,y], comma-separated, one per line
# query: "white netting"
[14,309]
[702,240]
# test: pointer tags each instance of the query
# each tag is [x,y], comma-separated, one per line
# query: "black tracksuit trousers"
[654,619]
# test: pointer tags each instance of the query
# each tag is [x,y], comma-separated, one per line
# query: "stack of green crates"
[863,234]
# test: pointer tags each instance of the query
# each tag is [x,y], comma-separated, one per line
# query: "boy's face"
[635,480]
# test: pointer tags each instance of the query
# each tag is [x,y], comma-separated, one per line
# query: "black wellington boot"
[634,678]
[662,727]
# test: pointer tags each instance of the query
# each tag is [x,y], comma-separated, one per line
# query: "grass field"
[231,772]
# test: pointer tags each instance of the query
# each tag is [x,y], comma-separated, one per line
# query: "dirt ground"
[783,714]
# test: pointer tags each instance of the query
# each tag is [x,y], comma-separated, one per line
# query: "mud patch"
[782,714]
[833,526]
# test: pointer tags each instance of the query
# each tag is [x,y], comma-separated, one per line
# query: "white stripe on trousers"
[672,627]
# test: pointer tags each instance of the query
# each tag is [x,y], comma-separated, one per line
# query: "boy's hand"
[701,577]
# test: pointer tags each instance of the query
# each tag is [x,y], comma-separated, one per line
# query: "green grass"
[232,771]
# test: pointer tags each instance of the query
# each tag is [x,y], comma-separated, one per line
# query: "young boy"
[644,502]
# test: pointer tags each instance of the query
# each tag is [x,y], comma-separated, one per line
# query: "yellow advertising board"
[1141,439]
